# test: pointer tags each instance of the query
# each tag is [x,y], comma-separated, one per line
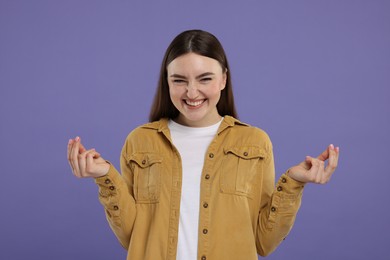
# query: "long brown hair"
[202,43]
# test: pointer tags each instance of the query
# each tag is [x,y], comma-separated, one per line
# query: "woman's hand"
[314,169]
[85,163]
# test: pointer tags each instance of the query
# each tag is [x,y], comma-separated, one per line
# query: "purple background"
[310,73]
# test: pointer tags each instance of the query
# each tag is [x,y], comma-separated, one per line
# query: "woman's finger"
[90,161]
[96,155]
[323,176]
[82,158]
[82,163]
[70,143]
[314,169]
[325,154]
[333,161]
[96,165]
[81,147]
[69,147]
[71,159]
[74,156]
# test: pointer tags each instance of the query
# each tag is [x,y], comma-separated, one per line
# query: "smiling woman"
[196,182]
[195,85]
[210,49]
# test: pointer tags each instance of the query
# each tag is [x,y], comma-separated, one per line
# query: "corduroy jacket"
[242,212]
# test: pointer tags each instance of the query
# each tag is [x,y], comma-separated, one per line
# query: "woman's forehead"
[193,63]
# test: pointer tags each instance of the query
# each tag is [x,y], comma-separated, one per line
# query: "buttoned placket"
[205,195]
[176,195]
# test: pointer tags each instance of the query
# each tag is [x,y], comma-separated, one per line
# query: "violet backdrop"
[310,73]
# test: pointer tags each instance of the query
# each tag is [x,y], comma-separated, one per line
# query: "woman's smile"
[195,85]
[194,104]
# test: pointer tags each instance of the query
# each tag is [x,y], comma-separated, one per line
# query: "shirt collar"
[229,121]
[162,124]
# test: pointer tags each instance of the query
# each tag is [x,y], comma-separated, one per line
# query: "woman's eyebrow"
[177,76]
[197,77]
[205,74]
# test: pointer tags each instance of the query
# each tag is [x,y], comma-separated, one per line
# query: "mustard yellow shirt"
[242,212]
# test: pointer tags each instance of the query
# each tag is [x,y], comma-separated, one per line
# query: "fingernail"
[77,138]
[331,146]
[338,149]
[70,140]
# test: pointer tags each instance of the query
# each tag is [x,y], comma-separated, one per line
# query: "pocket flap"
[247,152]
[145,160]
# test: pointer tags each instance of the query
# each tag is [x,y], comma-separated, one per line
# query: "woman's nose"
[192,90]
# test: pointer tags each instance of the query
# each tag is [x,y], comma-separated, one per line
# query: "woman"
[197,183]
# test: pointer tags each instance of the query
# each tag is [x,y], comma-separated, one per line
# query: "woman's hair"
[202,43]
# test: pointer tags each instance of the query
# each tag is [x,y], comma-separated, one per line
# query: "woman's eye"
[178,81]
[206,79]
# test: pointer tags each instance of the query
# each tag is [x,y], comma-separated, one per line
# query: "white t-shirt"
[192,144]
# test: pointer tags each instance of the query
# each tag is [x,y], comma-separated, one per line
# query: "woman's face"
[195,84]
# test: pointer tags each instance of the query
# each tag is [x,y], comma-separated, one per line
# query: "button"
[211,155]
[284,180]
[205,205]
[273,209]
[143,161]
[203,258]
[112,188]
[205,231]
[207,176]
[116,207]
[279,188]
[245,153]
[107,181]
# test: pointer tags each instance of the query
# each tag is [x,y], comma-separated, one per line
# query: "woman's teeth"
[194,103]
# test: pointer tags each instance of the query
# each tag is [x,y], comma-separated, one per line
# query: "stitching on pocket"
[147,176]
[239,169]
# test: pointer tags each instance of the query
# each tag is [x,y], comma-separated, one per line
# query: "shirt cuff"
[109,183]
[289,187]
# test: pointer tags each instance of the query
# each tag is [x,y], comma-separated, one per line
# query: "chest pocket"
[147,176]
[240,168]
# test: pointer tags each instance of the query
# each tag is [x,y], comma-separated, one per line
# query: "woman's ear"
[224,79]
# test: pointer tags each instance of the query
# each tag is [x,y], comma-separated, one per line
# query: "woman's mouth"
[195,103]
